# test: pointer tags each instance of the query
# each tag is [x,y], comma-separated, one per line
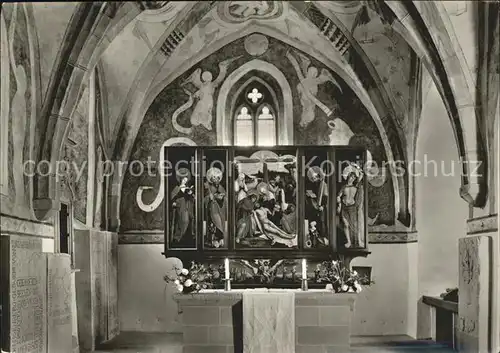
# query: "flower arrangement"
[196,278]
[338,278]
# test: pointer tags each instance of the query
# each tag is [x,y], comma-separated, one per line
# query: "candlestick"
[304,285]
[304,269]
[227,284]
[226,268]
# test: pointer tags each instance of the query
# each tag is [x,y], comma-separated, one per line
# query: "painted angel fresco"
[204,96]
[308,87]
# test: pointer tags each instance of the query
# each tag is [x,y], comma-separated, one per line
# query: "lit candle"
[226,268]
[304,269]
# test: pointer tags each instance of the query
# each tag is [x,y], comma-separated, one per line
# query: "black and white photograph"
[250,176]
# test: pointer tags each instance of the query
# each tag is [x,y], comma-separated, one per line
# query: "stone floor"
[135,342]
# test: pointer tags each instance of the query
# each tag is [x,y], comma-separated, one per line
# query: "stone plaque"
[24,308]
[98,262]
[84,290]
[113,320]
[59,297]
[474,289]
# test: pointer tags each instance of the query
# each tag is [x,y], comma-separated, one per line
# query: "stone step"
[158,342]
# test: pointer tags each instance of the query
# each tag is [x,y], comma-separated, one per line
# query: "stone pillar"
[91,167]
[479,287]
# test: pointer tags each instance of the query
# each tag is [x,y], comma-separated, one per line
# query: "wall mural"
[204,96]
[99,187]
[391,57]
[76,150]
[18,105]
[101,155]
[241,11]
[325,112]
[308,87]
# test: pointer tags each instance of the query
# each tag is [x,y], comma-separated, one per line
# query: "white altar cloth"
[269,321]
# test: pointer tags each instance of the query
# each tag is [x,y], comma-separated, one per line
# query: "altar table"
[212,321]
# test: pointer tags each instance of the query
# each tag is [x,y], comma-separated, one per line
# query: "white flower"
[180,288]
[344,287]
[188,283]
[334,262]
[355,273]
[185,271]
[358,287]
[350,290]
[177,282]
[329,286]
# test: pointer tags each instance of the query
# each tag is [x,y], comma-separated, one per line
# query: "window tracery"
[255,117]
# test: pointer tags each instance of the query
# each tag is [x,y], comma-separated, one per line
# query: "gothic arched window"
[255,115]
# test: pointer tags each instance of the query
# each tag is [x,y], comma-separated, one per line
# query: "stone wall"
[157,312]
[145,300]
[441,212]
[395,287]
[158,127]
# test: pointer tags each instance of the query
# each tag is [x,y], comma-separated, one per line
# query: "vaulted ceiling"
[378,48]
[146,56]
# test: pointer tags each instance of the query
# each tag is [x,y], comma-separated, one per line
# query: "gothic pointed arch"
[224,117]
[252,94]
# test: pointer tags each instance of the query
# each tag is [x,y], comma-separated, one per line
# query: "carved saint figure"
[350,206]
[316,199]
[289,219]
[242,185]
[270,230]
[215,208]
[290,186]
[246,224]
[308,87]
[202,112]
[182,197]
